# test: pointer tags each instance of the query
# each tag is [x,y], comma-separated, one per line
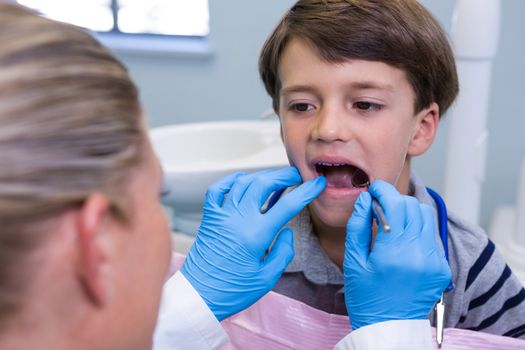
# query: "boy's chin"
[330,217]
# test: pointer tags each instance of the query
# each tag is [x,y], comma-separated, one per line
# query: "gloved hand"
[227,264]
[405,273]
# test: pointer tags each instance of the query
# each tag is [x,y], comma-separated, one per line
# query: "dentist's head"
[84,244]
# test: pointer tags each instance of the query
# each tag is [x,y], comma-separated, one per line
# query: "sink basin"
[195,155]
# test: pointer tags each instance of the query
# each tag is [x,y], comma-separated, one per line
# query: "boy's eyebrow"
[364,85]
[298,88]
[358,85]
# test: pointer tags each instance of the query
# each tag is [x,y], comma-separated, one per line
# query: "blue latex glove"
[405,273]
[227,264]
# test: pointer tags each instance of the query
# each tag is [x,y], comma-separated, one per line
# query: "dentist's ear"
[425,130]
[94,248]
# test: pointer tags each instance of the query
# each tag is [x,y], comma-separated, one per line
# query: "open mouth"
[340,175]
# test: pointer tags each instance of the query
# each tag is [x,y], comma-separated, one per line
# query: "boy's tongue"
[339,177]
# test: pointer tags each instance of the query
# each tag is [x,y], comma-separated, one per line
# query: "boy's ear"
[425,130]
[93,248]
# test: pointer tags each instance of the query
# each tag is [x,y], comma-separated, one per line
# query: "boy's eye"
[367,106]
[301,107]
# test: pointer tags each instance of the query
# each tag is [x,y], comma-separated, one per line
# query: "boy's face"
[352,122]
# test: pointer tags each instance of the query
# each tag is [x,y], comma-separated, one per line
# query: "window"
[160,17]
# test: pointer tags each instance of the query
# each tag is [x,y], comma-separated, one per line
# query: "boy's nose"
[330,126]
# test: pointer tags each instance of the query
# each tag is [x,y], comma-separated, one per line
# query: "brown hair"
[70,125]
[401,33]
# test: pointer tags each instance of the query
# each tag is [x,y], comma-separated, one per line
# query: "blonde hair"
[70,125]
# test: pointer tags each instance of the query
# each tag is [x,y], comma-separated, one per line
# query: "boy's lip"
[337,160]
[334,159]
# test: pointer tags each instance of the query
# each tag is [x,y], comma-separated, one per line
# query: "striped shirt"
[487,296]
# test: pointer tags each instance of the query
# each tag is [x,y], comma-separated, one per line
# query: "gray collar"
[310,258]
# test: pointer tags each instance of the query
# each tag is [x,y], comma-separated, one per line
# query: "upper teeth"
[330,164]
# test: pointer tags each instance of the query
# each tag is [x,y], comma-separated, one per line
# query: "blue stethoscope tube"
[442,226]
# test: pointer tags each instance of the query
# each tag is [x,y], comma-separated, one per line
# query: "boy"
[359,87]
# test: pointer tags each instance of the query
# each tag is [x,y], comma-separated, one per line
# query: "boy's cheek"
[295,156]
[292,161]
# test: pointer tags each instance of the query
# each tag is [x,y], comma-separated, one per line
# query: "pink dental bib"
[277,322]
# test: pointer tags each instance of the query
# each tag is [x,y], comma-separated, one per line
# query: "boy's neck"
[404,179]
[332,239]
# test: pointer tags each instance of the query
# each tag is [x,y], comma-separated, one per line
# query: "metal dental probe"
[440,320]
[381,215]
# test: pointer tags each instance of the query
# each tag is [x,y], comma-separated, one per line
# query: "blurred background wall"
[225,85]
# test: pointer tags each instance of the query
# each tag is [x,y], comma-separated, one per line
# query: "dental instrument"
[381,216]
[439,318]
[439,309]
